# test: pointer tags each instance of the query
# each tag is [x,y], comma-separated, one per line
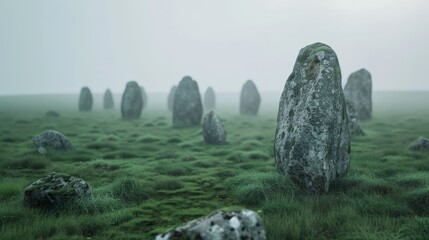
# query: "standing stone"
[359,90]
[249,99]
[187,106]
[312,141]
[225,225]
[132,101]
[108,100]
[51,139]
[85,100]
[55,189]
[354,125]
[170,99]
[213,129]
[144,97]
[209,99]
[421,144]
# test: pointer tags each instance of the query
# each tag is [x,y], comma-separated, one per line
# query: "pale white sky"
[52,46]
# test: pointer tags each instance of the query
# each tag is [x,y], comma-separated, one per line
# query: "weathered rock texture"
[187,106]
[249,99]
[312,142]
[233,225]
[420,144]
[213,129]
[354,125]
[359,90]
[108,102]
[85,100]
[144,97]
[209,99]
[55,189]
[132,101]
[170,100]
[51,139]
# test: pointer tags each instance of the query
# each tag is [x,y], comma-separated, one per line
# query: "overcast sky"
[52,46]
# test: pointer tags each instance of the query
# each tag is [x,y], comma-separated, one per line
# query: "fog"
[51,46]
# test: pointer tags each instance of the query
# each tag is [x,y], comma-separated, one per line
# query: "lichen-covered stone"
[51,139]
[187,106]
[354,125]
[209,99]
[132,101]
[213,129]
[144,97]
[359,90]
[85,100]
[222,225]
[170,100]
[108,102]
[420,144]
[312,141]
[53,114]
[55,189]
[249,99]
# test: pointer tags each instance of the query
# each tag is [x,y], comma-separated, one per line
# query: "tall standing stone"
[170,99]
[132,101]
[359,90]
[312,141]
[354,123]
[108,100]
[249,99]
[213,129]
[187,106]
[85,100]
[209,99]
[144,97]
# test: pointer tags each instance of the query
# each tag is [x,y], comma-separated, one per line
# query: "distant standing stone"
[232,225]
[213,129]
[51,139]
[420,144]
[249,99]
[170,100]
[108,100]
[187,106]
[85,100]
[354,125]
[209,99]
[144,97]
[359,90]
[55,189]
[54,114]
[132,101]
[312,141]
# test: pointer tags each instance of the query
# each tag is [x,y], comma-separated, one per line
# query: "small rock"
[222,225]
[420,144]
[51,113]
[213,129]
[132,101]
[55,189]
[51,139]
[249,99]
[85,100]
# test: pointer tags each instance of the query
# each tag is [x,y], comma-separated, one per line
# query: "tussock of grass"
[419,200]
[28,162]
[131,191]
[167,183]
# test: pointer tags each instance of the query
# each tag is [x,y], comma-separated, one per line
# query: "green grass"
[147,177]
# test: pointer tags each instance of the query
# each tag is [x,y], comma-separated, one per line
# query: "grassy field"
[147,177]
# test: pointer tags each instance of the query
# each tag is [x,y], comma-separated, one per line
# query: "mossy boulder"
[225,225]
[51,139]
[250,99]
[213,129]
[55,189]
[421,144]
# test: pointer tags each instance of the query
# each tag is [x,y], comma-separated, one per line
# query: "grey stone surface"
[170,100]
[85,100]
[108,102]
[53,114]
[250,99]
[209,99]
[354,124]
[51,139]
[213,129]
[359,90]
[420,144]
[55,189]
[187,106]
[312,141]
[132,101]
[222,225]
[144,97]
